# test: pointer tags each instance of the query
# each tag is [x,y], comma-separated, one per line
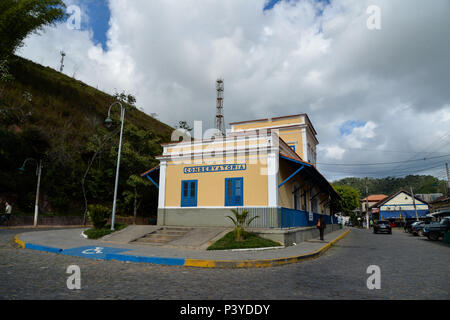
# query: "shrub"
[240,222]
[98,215]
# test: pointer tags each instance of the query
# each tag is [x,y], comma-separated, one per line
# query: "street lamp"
[38,173]
[108,123]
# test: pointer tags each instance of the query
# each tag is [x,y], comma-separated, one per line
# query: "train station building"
[266,166]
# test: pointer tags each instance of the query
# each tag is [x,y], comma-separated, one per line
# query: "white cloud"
[334,152]
[284,61]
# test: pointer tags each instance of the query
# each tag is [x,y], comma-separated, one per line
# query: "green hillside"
[47,115]
[389,185]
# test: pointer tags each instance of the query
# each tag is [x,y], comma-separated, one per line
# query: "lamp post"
[108,122]
[38,173]
[414,202]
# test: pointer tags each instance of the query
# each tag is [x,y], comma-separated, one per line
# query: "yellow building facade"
[259,167]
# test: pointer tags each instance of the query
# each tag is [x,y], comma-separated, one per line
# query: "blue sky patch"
[99,15]
[347,127]
[95,16]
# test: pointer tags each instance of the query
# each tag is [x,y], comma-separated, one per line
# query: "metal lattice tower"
[220,124]
[61,68]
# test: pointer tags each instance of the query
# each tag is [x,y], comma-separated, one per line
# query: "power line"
[379,150]
[429,146]
[388,170]
[382,163]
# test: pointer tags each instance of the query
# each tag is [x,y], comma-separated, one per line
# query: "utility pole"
[414,202]
[36,205]
[448,178]
[367,206]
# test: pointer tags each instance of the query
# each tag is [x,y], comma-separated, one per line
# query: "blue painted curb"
[74,252]
[142,259]
[108,253]
[42,248]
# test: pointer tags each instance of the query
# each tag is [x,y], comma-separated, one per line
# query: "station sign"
[215,168]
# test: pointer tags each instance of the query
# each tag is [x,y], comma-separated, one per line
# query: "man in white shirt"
[8,211]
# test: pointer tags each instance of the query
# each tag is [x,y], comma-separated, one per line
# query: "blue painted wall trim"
[393,214]
[291,218]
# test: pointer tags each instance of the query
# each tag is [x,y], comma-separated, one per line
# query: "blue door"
[189,193]
[234,195]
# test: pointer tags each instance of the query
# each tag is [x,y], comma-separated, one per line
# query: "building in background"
[370,201]
[400,206]
[441,204]
[429,197]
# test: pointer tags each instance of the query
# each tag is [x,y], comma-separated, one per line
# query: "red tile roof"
[375,197]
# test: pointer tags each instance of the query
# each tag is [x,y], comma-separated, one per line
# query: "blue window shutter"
[189,193]
[234,192]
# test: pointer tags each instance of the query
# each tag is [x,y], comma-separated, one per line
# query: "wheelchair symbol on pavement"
[97,250]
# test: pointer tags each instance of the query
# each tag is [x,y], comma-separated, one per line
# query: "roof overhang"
[152,175]
[310,170]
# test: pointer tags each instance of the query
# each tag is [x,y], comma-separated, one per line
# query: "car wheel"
[421,233]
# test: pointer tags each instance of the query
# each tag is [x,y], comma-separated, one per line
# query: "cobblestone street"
[411,268]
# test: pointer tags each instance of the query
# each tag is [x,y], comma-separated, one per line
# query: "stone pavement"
[411,268]
[70,242]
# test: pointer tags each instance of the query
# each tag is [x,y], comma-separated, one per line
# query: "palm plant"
[240,222]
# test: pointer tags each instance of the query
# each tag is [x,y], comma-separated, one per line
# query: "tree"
[96,145]
[349,199]
[5,76]
[183,125]
[125,98]
[18,19]
[136,183]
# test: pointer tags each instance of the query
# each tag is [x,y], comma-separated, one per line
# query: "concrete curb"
[263,263]
[43,227]
[199,263]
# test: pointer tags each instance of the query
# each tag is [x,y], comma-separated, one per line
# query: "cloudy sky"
[378,98]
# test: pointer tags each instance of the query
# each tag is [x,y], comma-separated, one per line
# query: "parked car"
[417,227]
[382,226]
[350,224]
[408,224]
[434,230]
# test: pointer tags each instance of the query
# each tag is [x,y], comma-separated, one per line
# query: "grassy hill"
[389,185]
[47,115]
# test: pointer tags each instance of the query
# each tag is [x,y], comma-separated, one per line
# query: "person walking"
[8,211]
[321,225]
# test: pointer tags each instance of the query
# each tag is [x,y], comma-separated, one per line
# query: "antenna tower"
[61,68]
[220,124]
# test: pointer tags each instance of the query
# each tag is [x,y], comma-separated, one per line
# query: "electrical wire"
[382,163]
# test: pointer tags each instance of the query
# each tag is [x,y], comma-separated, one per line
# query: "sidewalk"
[70,242]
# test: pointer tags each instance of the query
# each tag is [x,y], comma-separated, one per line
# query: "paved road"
[411,268]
